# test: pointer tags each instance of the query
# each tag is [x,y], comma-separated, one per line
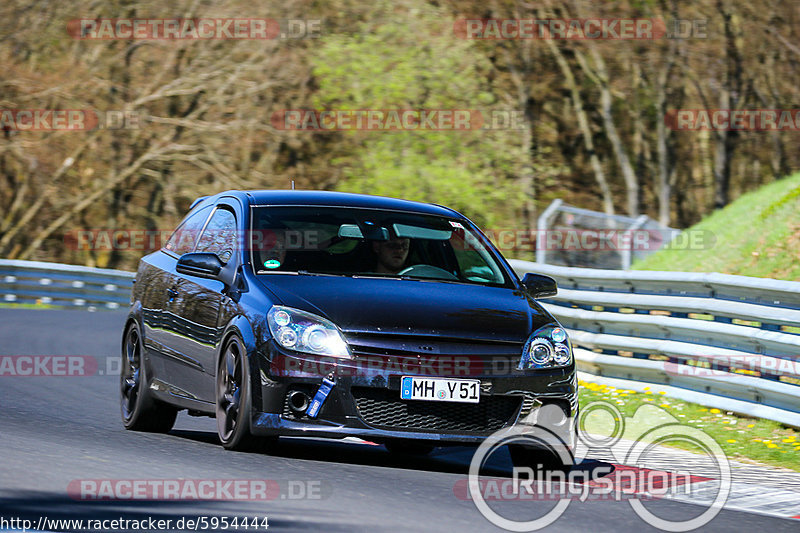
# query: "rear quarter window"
[185,237]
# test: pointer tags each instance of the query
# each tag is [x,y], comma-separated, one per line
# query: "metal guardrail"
[732,341]
[32,282]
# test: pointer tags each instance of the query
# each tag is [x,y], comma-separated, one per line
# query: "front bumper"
[366,400]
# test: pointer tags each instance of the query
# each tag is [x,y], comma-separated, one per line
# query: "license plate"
[440,389]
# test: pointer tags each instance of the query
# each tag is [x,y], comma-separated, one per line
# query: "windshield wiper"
[298,273]
[304,272]
[384,276]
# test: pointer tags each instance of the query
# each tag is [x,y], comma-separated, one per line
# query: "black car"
[308,313]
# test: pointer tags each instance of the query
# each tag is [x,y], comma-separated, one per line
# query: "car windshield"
[370,242]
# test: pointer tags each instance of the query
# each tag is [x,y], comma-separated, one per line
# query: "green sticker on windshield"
[272,263]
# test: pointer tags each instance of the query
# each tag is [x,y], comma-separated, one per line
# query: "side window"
[219,237]
[473,259]
[185,237]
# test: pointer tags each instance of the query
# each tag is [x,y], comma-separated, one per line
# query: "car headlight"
[548,347]
[305,332]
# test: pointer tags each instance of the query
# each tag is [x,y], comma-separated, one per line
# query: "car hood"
[411,307]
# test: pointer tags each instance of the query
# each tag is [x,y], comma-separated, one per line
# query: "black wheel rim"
[131,372]
[229,390]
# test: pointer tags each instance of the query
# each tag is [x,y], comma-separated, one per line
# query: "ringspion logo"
[630,480]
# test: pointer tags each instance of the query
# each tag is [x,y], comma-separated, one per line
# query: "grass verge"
[741,438]
[27,306]
[756,235]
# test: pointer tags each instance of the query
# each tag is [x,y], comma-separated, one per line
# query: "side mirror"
[539,285]
[203,265]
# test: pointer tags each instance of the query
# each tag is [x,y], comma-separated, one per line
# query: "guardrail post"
[541,226]
[627,252]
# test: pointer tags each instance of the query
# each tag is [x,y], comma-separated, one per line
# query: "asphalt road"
[58,430]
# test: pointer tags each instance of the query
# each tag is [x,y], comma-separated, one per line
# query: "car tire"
[234,399]
[140,412]
[408,448]
[538,458]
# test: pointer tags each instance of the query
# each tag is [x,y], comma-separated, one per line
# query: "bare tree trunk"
[583,124]
[528,177]
[666,165]
[729,98]
[600,78]
[723,152]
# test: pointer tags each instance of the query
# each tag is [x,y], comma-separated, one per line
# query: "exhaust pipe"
[298,402]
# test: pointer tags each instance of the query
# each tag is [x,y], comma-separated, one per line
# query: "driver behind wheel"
[391,255]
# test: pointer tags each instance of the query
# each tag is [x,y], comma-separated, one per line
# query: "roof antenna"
[292,184]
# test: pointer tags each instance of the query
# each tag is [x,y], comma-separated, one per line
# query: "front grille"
[383,408]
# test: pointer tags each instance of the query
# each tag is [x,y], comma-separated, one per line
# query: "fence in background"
[563,221]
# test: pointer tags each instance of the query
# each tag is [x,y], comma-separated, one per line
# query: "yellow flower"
[661,392]
[704,409]
[756,440]
[714,411]
[767,441]
[788,440]
[751,425]
[772,445]
[647,388]
[664,405]
[732,441]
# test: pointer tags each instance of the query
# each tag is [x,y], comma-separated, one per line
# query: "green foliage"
[406,59]
[757,235]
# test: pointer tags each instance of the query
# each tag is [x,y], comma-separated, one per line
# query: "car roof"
[330,198]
